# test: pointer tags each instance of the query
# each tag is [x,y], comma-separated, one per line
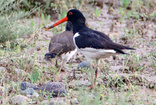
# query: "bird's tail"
[129,48]
[49,56]
[119,49]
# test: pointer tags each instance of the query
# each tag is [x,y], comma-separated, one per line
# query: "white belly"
[91,53]
[67,56]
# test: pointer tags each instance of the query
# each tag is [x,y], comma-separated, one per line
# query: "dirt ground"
[135,72]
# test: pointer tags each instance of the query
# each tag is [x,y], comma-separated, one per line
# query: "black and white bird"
[92,44]
[61,46]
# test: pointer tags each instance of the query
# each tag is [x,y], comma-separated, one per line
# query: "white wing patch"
[75,35]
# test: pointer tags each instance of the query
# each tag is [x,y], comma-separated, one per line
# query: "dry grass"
[127,79]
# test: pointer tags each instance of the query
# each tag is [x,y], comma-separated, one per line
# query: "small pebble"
[30,92]
[83,65]
[25,85]
[74,101]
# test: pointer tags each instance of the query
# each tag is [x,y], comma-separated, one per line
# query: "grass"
[97,12]
[11,28]
[127,84]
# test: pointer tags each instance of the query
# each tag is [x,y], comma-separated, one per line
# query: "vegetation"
[11,28]
[126,79]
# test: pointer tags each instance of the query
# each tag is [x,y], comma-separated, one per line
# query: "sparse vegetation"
[11,28]
[125,79]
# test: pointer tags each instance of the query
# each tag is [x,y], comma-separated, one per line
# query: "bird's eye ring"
[70,13]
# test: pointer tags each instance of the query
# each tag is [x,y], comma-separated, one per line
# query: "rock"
[2,69]
[83,65]
[25,85]
[74,101]
[20,100]
[79,83]
[36,94]
[56,101]
[30,92]
[57,89]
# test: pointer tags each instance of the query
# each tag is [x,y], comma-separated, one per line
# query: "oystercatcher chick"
[61,46]
[94,45]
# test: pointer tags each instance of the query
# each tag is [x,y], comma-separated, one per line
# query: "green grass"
[128,85]
[11,27]
[97,12]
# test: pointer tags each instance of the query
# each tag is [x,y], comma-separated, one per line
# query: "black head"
[75,15]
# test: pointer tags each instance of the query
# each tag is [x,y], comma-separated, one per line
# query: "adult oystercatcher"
[62,46]
[92,44]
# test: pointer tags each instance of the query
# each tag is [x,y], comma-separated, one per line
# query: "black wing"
[98,40]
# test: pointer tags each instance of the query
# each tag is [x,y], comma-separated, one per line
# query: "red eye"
[70,13]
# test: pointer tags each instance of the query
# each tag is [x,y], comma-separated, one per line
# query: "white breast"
[92,53]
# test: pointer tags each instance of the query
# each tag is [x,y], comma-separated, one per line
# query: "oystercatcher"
[62,46]
[92,44]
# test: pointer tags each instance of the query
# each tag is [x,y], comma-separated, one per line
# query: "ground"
[124,79]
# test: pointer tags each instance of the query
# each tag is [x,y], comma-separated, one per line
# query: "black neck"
[69,26]
[78,25]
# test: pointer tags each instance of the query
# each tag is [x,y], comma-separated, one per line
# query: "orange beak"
[57,23]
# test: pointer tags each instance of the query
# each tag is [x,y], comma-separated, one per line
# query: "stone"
[25,85]
[57,89]
[74,101]
[83,65]
[20,100]
[30,92]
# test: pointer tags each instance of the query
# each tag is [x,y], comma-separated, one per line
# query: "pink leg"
[96,72]
[92,78]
